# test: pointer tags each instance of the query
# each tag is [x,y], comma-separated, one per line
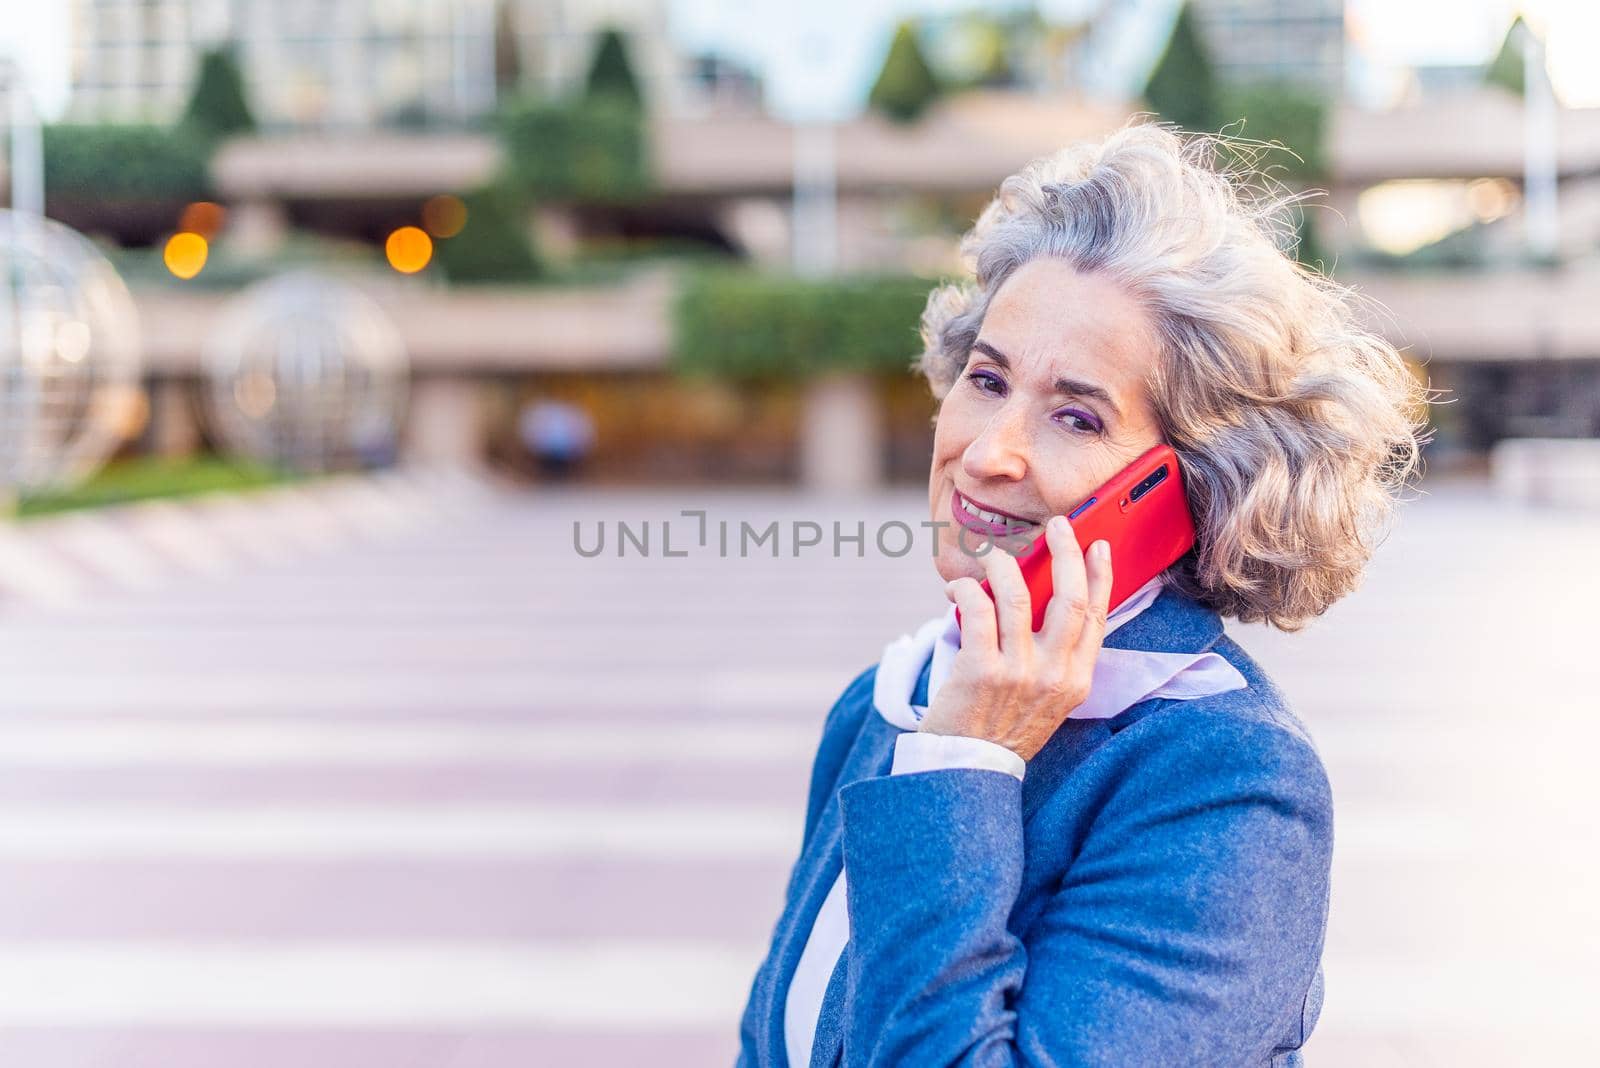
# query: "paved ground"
[458,796]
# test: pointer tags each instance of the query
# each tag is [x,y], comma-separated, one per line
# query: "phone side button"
[1076,512]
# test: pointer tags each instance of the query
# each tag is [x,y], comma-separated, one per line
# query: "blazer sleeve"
[839,731]
[1187,930]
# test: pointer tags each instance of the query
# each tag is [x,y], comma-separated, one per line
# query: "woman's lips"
[983,526]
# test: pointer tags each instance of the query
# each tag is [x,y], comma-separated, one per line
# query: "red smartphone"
[1142,511]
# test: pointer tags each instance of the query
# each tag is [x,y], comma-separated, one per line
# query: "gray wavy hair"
[1296,427]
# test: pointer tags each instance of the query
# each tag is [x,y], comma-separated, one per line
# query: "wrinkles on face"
[1007,435]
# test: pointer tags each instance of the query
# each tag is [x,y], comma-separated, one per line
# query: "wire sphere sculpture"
[305,372]
[69,356]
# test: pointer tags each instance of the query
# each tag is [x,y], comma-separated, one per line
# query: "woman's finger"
[1100,578]
[977,615]
[1013,604]
[1069,596]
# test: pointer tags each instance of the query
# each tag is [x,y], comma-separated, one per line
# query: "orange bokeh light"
[185,254]
[203,218]
[444,215]
[408,250]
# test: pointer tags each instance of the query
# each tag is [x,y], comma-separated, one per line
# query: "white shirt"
[1122,678]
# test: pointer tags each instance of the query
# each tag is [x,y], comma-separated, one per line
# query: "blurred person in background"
[558,436]
[1107,842]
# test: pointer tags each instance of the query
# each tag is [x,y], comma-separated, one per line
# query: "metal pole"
[19,404]
[816,216]
[472,96]
[1539,151]
[27,149]
[491,87]
[458,56]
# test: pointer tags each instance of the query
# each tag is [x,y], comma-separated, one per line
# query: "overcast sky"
[819,56]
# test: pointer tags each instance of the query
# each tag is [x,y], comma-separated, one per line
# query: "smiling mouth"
[986,520]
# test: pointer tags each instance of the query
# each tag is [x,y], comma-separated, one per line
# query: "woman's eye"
[1080,421]
[982,382]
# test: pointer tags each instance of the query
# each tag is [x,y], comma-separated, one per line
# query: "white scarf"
[1122,677]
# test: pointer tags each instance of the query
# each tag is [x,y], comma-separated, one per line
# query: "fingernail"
[1103,549]
[1056,523]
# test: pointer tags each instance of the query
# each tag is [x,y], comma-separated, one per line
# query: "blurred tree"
[217,106]
[996,70]
[1026,39]
[906,85]
[1284,112]
[610,73]
[591,149]
[976,53]
[494,244]
[507,57]
[1506,69]
[1308,249]
[412,115]
[1183,86]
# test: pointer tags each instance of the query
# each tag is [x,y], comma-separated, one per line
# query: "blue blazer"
[1153,892]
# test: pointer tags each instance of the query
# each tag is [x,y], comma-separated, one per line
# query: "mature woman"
[1105,842]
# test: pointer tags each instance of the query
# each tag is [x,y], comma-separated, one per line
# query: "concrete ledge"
[1561,472]
[469,330]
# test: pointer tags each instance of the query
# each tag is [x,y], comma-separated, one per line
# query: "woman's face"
[1051,403]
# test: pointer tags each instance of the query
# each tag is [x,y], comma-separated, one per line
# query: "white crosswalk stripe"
[118,743]
[334,775]
[117,831]
[577,986]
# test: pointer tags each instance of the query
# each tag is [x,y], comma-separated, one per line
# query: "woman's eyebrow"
[1069,386]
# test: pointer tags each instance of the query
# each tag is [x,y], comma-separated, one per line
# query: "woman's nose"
[1000,450]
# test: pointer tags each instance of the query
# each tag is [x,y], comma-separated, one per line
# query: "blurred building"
[1017,48]
[353,63]
[1432,79]
[725,86]
[133,61]
[555,40]
[1424,211]
[1300,41]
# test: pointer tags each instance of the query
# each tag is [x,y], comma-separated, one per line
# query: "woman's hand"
[1008,684]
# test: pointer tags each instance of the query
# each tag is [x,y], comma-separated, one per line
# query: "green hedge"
[230,269]
[749,325]
[126,162]
[591,150]
[149,478]
[1276,111]
[494,245]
